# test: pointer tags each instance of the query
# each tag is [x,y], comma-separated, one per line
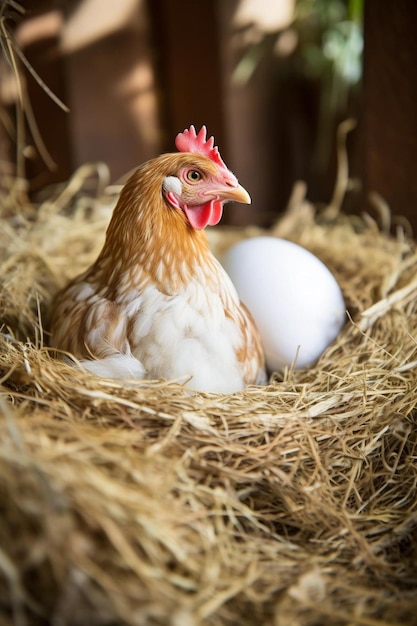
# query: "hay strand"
[143,504]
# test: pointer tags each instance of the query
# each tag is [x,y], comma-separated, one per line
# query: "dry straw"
[140,504]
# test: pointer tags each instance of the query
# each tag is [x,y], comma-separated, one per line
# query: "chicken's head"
[201,182]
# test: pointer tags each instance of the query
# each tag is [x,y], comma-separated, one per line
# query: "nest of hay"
[293,504]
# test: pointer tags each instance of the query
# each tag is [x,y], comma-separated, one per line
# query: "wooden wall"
[136,73]
[389,110]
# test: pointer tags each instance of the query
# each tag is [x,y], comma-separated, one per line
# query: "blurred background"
[271,79]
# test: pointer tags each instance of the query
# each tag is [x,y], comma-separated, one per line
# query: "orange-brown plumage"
[156,303]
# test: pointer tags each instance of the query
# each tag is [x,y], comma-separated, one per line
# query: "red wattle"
[216,213]
[202,215]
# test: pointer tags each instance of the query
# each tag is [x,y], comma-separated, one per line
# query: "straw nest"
[293,504]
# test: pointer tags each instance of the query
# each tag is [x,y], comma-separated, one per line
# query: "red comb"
[189,141]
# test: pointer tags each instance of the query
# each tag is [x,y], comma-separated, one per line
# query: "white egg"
[294,298]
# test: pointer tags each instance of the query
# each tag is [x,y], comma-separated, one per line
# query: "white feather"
[188,336]
[121,366]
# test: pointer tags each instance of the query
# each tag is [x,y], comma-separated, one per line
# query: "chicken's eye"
[193,176]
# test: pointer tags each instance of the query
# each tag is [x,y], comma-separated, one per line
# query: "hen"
[156,303]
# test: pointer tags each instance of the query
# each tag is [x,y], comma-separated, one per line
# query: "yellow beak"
[237,194]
